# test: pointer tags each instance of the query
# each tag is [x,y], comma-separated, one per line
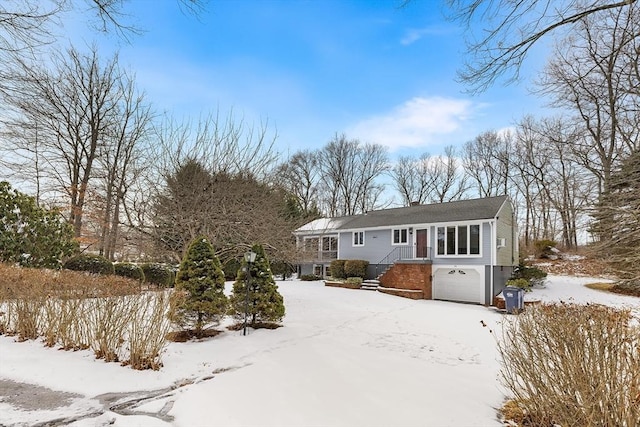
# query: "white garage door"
[459,284]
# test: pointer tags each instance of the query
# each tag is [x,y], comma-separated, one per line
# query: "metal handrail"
[400,253]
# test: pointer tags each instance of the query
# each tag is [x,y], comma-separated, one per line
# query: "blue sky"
[314,68]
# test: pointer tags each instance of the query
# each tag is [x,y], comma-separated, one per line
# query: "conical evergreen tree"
[201,280]
[264,302]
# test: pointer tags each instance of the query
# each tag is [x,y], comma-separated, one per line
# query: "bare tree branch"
[511,28]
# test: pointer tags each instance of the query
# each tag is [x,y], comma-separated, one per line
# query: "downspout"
[492,224]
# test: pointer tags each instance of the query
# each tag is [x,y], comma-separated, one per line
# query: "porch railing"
[319,256]
[402,253]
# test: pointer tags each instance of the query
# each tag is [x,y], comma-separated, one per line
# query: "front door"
[422,250]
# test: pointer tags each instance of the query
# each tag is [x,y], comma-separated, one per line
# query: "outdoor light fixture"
[410,230]
[250,258]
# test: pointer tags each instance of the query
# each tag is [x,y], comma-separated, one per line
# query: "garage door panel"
[458,284]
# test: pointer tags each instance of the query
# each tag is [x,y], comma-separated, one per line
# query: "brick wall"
[409,276]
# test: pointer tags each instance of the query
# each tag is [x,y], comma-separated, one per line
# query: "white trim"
[456,225]
[400,243]
[353,240]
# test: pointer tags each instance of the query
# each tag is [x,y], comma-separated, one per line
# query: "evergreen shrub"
[200,285]
[356,268]
[130,270]
[337,269]
[543,248]
[30,235]
[309,277]
[354,280]
[533,275]
[95,264]
[282,268]
[158,274]
[230,268]
[520,283]
[265,303]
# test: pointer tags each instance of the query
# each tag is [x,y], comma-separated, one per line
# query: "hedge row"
[154,273]
[342,269]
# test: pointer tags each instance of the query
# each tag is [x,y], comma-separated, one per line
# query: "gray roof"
[463,210]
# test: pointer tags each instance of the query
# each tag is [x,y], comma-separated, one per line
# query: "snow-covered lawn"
[343,358]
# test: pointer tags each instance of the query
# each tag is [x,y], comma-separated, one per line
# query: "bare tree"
[449,183]
[28,24]
[430,179]
[349,173]
[25,24]
[590,76]
[500,33]
[300,175]
[409,180]
[555,188]
[74,105]
[223,144]
[122,161]
[488,161]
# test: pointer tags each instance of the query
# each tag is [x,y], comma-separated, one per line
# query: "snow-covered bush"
[533,275]
[263,303]
[200,281]
[544,248]
[30,235]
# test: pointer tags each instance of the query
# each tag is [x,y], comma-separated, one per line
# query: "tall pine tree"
[200,280]
[621,211]
[265,304]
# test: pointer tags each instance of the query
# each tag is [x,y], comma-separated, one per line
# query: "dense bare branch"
[509,29]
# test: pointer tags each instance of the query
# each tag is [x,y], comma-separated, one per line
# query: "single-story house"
[459,251]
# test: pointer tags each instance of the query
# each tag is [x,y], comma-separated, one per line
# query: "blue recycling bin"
[513,299]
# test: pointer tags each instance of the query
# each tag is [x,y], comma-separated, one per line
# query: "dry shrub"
[28,315]
[573,365]
[110,317]
[79,310]
[148,329]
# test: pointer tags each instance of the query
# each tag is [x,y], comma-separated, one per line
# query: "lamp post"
[250,258]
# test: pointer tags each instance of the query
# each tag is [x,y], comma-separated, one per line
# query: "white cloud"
[412,35]
[418,123]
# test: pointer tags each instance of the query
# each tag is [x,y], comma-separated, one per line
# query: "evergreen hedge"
[95,264]
[130,270]
[158,274]
[356,268]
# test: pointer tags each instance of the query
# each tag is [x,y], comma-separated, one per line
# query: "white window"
[358,238]
[459,240]
[400,236]
[329,248]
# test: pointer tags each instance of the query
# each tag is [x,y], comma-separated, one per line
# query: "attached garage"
[459,283]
